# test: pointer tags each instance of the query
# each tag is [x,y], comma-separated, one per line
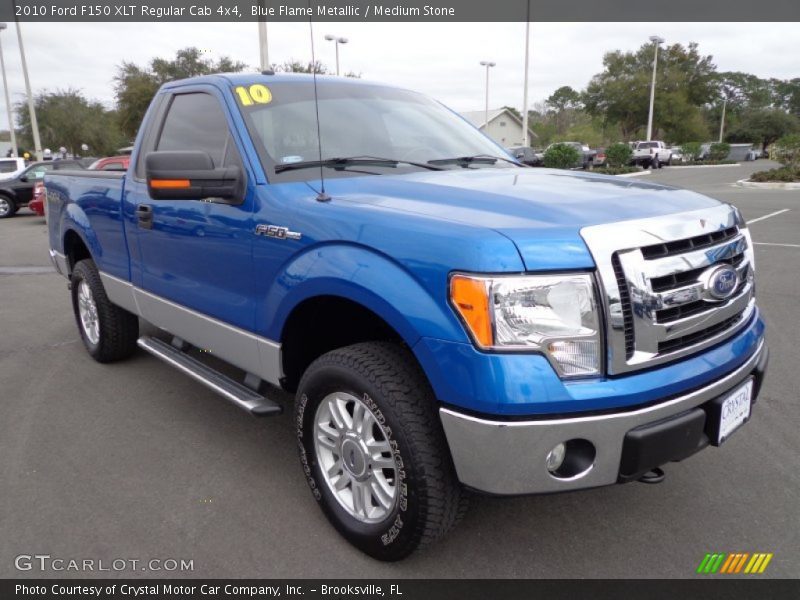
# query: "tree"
[67,118]
[621,93]
[135,86]
[563,104]
[763,126]
[296,66]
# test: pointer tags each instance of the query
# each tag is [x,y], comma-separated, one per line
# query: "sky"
[441,60]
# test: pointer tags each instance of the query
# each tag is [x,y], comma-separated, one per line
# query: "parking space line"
[781,245]
[777,212]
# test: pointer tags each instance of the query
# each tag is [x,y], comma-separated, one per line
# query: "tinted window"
[196,122]
[8,167]
[113,166]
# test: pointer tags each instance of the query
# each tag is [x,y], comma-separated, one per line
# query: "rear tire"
[7,207]
[400,456]
[109,332]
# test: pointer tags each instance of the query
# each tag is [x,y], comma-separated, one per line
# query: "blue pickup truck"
[449,320]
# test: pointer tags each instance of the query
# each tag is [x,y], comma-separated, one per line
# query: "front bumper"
[508,457]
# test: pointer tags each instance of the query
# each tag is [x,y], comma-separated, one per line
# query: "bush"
[562,156]
[616,170]
[783,174]
[691,150]
[787,151]
[618,155]
[719,151]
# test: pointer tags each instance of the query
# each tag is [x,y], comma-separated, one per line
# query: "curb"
[702,166]
[637,174]
[768,185]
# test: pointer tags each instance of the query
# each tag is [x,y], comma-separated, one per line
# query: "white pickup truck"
[651,154]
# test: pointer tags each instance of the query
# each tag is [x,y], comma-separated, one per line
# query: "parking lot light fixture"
[3,27]
[336,40]
[37,144]
[657,41]
[488,65]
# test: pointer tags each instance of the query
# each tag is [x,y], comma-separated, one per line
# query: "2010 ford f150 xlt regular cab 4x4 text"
[450,320]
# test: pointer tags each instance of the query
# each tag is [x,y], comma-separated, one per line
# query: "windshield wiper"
[479,159]
[341,163]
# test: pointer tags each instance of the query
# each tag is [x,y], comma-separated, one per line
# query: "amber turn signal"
[471,299]
[170,184]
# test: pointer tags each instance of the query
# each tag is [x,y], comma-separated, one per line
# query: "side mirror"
[191,175]
[24,179]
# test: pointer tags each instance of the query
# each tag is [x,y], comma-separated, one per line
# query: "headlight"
[553,314]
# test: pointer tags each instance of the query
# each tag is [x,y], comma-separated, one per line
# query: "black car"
[525,155]
[18,191]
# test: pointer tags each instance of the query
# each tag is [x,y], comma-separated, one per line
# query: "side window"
[196,122]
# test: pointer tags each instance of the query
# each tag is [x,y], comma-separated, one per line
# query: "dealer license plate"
[735,410]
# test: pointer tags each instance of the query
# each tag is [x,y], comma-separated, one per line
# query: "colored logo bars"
[738,562]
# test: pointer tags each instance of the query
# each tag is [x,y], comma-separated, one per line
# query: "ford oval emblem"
[721,282]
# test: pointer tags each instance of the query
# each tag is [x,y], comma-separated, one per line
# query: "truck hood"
[541,210]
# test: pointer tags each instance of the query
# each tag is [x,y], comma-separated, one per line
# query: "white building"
[503,127]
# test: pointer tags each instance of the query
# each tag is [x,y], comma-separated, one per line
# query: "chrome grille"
[655,275]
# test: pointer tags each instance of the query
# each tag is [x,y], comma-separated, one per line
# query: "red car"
[37,201]
[111,163]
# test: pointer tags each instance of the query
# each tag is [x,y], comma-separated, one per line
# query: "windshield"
[357,120]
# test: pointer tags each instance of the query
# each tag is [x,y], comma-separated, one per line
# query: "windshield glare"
[358,120]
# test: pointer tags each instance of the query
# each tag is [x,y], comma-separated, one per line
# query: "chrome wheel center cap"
[353,458]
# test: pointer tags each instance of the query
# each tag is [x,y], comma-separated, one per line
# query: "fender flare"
[368,278]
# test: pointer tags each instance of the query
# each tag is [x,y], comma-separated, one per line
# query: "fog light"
[555,458]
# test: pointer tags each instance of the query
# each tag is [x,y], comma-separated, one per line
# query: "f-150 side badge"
[274,231]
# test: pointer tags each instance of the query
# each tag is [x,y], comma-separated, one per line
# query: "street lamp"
[14,147]
[656,42]
[488,65]
[337,41]
[722,121]
[37,144]
[525,140]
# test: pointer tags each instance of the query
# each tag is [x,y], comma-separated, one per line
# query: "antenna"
[321,196]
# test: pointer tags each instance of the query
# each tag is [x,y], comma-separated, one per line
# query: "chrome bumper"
[508,457]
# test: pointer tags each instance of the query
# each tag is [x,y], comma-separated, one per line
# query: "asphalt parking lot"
[136,461]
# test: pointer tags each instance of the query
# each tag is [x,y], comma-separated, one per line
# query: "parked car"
[18,191]
[11,167]
[446,322]
[651,154]
[676,154]
[37,202]
[526,155]
[586,160]
[600,157]
[111,163]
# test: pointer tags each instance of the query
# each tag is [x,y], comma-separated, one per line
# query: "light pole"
[336,41]
[37,143]
[263,48]
[722,121]
[488,65]
[656,42]
[525,140]
[14,147]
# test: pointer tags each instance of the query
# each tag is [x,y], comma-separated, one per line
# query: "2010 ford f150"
[449,319]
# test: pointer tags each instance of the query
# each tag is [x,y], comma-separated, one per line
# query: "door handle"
[144,215]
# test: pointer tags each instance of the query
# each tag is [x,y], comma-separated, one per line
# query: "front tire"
[108,332]
[373,450]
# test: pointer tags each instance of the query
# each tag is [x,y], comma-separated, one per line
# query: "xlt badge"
[275,231]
